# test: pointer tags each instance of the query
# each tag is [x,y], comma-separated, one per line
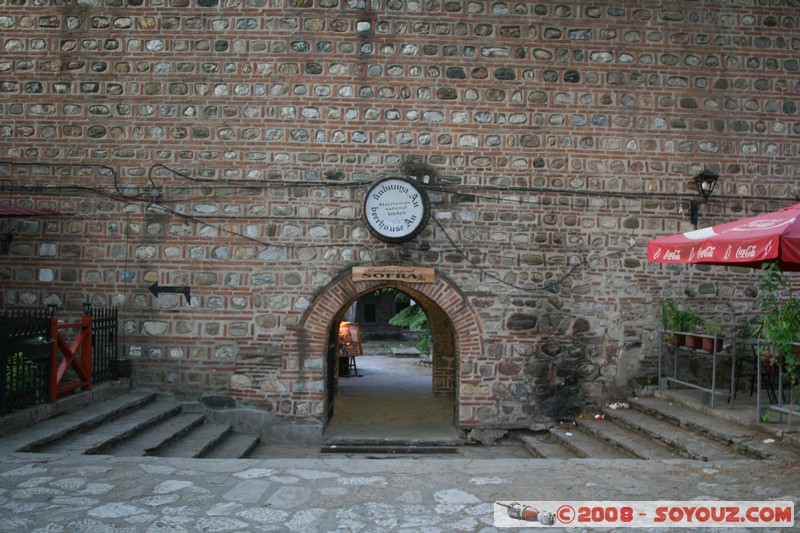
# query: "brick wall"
[226,145]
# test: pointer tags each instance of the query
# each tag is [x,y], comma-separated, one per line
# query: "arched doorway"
[457,334]
[399,399]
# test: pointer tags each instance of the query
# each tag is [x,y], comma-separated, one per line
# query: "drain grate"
[391,450]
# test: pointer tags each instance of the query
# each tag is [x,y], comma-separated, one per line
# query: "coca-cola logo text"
[746,252]
[706,253]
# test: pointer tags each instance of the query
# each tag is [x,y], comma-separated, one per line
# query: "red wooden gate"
[76,355]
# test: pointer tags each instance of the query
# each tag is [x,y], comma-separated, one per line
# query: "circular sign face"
[396,209]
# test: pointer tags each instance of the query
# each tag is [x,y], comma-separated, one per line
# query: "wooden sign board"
[349,340]
[394,273]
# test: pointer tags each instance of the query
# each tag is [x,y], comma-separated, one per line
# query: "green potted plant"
[780,326]
[678,322]
[712,341]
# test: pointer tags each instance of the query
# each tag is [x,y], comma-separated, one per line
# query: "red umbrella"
[748,242]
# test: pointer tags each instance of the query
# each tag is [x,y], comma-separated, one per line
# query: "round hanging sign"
[396,209]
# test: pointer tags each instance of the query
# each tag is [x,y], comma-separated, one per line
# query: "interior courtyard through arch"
[388,394]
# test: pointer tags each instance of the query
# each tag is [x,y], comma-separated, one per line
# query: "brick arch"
[312,334]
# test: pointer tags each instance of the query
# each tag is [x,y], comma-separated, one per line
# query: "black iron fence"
[29,312]
[25,361]
[26,347]
[104,344]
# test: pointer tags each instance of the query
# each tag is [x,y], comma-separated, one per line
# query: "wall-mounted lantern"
[704,183]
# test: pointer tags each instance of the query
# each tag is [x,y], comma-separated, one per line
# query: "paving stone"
[394,494]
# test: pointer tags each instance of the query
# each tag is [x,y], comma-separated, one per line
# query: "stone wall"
[226,146]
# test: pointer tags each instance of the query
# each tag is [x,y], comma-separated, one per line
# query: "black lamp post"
[704,183]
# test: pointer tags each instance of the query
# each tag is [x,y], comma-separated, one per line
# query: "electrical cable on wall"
[80,165]
[154,197]
[147,196]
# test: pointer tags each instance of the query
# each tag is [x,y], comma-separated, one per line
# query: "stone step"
[677,439]
[99,438]
[635,444]
[744,438]
[546,446]
[53,429]
[392,441]
[234,446]
[197,442]
[157,437]
[584,445]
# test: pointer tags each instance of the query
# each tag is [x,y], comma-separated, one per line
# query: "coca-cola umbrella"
[748,242]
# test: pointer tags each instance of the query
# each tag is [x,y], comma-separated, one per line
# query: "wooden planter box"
[37,351]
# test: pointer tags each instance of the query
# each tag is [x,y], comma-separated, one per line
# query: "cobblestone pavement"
[52,493]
